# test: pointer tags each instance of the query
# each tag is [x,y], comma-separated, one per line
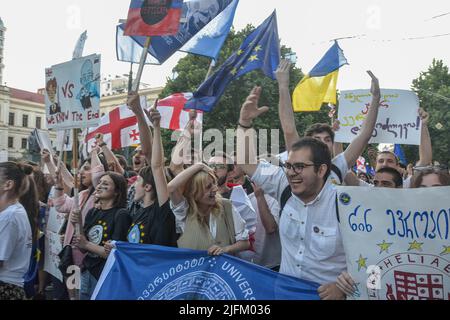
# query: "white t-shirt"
[267,246]
[15,244]
[180,213]
[340,162]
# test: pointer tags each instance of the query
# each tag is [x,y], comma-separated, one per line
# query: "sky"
[44,33]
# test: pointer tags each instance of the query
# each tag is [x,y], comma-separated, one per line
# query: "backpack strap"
[285,196]
[338,172]
[337,209]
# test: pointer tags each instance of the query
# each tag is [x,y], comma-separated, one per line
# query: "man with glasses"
[311,242]
[223,167]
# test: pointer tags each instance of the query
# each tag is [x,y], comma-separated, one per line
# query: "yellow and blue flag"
[319,86]
[260,50]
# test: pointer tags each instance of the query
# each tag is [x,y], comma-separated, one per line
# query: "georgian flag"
[120,128]
[361,165]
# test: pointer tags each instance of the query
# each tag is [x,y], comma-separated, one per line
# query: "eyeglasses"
[297,167]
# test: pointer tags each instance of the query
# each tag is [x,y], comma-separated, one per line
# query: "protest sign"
[153,17]
[398,117]
[72,95]
[396,248]
[180,274]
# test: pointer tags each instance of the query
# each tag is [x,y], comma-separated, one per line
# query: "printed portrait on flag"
[72,95]
[153,17]
[396,248]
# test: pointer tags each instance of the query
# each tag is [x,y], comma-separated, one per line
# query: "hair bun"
[27,169]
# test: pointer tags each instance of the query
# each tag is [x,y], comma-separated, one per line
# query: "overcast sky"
[43,33]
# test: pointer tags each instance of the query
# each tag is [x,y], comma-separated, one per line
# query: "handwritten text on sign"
[72,96]
[398,118]
[397,241]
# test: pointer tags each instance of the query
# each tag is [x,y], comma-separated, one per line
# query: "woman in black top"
[109,221]
[154,223]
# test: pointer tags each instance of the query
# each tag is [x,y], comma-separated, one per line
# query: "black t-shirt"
[100,227]
[154,225]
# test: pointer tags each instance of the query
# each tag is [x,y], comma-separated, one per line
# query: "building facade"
[23,111]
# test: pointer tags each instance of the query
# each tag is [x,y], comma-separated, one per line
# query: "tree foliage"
[433,89]
[191,72]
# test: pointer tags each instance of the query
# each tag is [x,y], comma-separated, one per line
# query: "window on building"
[24,143]
[25,121]
[38,122]
[11,118]
[10,142]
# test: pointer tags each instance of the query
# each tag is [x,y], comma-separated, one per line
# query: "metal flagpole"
[135,86]
[211,67]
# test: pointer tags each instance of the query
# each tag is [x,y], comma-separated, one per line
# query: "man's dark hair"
[320,153]
[397,177]
[147,177]
[320,128]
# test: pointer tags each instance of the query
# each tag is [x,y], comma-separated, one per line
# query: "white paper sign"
[398,119]
[64,139]
[53,247]
[397,242]
[72,95]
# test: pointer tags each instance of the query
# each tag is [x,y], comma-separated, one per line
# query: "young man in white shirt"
[311,243]
[323,132]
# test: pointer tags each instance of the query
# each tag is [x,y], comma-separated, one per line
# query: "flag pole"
[136,82]
[130,78]
[211,67]
[76,182]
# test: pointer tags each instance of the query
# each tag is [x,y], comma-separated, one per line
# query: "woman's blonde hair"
[195,189]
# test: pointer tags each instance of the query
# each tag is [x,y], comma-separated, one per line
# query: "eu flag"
[260,50]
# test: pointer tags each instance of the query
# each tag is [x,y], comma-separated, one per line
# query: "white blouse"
[180,212]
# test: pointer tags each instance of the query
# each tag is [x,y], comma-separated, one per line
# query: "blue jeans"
[88,283]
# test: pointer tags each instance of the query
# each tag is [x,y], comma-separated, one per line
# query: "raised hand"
[282,73]
[155,117]
[134,102]
[424,116]
[250,109]
[147,112]
[375,88]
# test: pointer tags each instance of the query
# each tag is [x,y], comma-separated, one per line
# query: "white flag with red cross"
[120,128]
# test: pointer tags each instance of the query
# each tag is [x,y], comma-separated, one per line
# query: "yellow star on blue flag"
[260,50]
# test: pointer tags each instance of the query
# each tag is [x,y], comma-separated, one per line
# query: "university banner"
[147,272]
[72,94]
[397,242]
[398,117]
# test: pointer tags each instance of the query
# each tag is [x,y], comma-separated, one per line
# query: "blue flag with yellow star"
[260,50]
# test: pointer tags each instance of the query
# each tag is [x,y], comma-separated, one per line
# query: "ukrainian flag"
[319,86]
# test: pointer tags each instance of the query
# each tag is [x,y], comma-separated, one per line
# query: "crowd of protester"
[190,205]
